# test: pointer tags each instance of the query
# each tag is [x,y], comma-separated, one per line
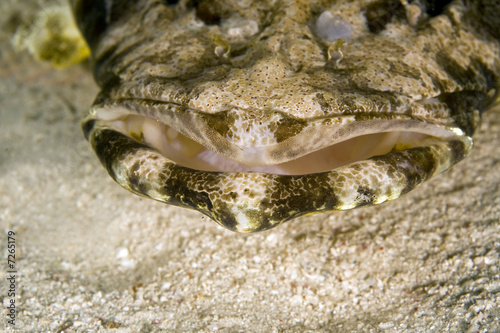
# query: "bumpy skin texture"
[246,76]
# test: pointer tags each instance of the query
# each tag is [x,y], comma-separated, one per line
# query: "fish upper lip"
[288,134]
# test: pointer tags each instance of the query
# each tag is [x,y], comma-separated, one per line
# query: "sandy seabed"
[91,256]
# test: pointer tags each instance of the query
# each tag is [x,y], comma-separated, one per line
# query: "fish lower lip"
[255,201]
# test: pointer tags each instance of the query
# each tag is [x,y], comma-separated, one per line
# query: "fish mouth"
[368,159]
[272,142]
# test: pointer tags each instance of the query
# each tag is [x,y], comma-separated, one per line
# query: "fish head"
[256,112]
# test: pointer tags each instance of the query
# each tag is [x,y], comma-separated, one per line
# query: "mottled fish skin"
[260,82]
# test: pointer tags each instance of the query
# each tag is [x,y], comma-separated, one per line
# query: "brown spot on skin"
[366,195]
[400,68]
[320,98]
[287,128]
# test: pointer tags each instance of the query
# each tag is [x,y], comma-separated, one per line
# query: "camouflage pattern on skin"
[245,76]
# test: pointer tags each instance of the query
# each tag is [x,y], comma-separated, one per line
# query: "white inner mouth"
[189,153]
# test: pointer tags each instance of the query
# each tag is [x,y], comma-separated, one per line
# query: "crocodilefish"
[255,112]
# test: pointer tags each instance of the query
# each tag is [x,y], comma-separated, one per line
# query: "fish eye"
[435,7]
[207,10]
[380,13]
[171,2]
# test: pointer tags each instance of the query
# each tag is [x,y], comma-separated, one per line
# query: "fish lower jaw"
[256,201]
